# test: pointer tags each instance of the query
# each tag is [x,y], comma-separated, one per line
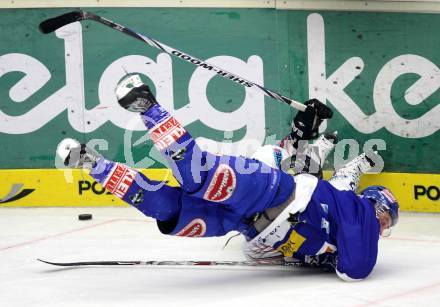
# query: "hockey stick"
[55,23]
[174,263]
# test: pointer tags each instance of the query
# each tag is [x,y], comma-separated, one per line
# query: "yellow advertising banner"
[52,187]
[414,192]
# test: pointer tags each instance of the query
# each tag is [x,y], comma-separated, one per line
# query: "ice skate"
[76,155]
[133,95]
[348,177]
[310,158]
[323,145]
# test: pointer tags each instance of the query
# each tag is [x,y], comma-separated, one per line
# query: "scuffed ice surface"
[407,271]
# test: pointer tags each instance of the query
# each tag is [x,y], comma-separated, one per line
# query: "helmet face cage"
[384,201]
[381,208]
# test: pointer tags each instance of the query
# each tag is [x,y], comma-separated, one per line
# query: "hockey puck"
[84,217]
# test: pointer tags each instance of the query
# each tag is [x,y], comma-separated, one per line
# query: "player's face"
[385,223]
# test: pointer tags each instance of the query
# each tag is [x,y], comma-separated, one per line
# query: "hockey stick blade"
[84,263]
[53,24]
[172,263]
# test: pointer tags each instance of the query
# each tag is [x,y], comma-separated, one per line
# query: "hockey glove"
[327,262]
[305,124]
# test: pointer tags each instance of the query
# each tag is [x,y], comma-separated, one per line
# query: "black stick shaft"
[52,24]
[172,263]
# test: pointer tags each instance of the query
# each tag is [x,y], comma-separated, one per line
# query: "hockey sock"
[164,129]
[185,158]
[152,198]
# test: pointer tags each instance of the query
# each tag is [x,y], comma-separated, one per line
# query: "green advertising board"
[378,71]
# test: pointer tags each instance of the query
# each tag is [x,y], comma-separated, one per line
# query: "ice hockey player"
[283,217]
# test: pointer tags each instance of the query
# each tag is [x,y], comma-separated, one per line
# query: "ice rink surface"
[407,271]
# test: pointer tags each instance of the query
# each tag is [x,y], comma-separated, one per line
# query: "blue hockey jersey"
[335,225]
[347,221]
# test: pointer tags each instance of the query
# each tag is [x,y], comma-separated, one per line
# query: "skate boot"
[322,147]
[348,177]
[310,158]
[133,95]
[76,155]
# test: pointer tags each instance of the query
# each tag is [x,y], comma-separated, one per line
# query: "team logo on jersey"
[177,155]
[120,180]
[195,228]
[166,133]
[137,197]
[222,184]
